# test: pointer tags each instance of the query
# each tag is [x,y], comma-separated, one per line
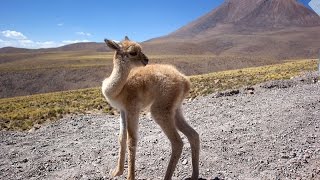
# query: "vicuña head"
[128,51]
[132,86]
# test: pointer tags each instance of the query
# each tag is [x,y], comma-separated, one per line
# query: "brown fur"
[132,87]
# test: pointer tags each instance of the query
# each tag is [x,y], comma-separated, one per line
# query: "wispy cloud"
[29,44]
[74,41]
[17,39]
[13,34]
[83,33]
[60,24]
[46,44]
[4,43]
[315,5]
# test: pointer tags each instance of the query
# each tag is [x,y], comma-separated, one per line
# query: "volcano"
[269,28]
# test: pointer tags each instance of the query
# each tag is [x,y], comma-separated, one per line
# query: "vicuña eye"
[133,53]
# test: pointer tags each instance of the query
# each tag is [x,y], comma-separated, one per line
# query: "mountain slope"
[280,14]
[269,28]
[245,14]
[228,12]
[83,46]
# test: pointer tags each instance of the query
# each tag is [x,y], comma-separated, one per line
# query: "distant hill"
[282,29]
[14,50]
[269,28]
[86,46]
[83,46]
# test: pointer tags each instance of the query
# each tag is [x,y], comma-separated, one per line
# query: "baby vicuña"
[132,86]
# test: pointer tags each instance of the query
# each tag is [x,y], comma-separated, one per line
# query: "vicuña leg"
[193,138]
[133,121]
[166,121]
[122,142]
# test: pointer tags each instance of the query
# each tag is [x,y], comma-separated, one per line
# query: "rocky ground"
[268,131]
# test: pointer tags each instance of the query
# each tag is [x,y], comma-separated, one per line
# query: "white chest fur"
[105,88]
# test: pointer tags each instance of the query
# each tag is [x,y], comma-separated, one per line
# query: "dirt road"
[270,131]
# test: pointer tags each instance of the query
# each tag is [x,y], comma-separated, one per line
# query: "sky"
[43,24]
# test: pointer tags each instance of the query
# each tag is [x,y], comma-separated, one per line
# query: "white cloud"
[13,34]
[4,43]
[27,43]
[83,33]
[74,41]
[60,24]
[47,44]
[17,39]
[315,5]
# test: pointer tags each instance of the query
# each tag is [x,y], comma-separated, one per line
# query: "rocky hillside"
[263,28]
[251,15]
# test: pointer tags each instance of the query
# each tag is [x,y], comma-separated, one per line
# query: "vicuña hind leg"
[122,142]
[132,121]
[193,138]
[166,121]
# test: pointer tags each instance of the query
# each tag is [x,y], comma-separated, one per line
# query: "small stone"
[31,130]
[184,162]
[284,156]
[37,126]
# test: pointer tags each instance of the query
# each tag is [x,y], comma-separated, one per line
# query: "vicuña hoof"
[116,172]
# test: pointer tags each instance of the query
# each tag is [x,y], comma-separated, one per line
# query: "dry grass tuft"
[22,113]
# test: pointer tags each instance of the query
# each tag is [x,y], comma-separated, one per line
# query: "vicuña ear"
[126,38]
[111,44]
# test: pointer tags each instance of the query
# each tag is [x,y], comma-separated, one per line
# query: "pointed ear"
[113,45]
[126,38]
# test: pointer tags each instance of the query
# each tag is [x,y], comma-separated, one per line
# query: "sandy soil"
[269,131]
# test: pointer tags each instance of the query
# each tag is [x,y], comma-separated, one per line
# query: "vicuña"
[133,86]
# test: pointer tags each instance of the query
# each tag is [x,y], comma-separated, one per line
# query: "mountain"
[280,14]
[83,46]
[14,50]
[86,46]
[253,15]
[272,28]
[281,29]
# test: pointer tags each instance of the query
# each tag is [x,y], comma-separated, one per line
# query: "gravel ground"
[268,131]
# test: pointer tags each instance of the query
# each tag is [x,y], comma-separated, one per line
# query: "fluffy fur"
[131,87]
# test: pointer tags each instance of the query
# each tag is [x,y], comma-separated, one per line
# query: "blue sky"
[40,23]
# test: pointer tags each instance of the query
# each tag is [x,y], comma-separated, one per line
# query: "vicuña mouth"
[145,61]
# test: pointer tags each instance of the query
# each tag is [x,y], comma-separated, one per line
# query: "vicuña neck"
[116,81]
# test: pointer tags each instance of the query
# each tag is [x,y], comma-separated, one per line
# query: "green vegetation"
[31,61]
[49,60]
[219,81]
[22,113]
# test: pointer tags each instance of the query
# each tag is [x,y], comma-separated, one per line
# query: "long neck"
[116,81]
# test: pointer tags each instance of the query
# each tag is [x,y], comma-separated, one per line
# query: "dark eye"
[134,53]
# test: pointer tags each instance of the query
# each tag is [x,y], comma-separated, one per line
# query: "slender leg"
[122,142]
[193,138]
[166,122]
[133,120]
